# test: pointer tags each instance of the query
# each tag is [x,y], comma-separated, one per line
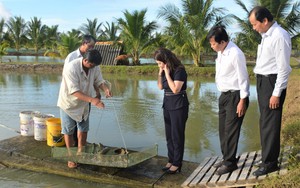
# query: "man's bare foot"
[72,164]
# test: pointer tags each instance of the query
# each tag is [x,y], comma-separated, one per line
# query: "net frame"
[97,154]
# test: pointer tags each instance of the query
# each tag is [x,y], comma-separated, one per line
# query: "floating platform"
[107,156]
[24,152]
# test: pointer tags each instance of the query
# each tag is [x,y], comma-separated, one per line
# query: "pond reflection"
[133,117]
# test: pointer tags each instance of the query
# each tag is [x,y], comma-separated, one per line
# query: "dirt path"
[291,112]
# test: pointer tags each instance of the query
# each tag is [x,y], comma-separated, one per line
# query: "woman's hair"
[93,56]
[169,58]
[219,33]
[261,13]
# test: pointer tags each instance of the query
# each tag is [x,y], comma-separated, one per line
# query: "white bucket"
[40,127]
[26,122]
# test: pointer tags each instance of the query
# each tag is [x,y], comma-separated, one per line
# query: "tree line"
[185,33]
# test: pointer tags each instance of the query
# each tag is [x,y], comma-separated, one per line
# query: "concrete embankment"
[26,153]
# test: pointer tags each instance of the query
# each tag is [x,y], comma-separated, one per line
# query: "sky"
[71,14]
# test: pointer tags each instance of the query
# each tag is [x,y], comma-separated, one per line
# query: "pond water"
[133,113]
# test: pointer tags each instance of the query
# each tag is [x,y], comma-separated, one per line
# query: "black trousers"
[175,121]
[229,125]
[270,119]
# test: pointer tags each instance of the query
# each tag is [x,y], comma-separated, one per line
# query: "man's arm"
[106,86]
[94,101]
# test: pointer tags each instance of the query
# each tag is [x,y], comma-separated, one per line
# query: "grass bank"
[207,71]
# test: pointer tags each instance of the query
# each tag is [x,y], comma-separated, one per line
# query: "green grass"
[289,180]
[208,71]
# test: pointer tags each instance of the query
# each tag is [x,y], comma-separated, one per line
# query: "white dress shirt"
[75,79]
[231,70]
[273,56]
[73,55]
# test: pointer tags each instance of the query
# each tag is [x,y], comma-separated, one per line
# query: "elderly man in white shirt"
[272,70]
[232,81]
[78,81]
[88,42]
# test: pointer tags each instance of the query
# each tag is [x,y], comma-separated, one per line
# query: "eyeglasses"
[90,46]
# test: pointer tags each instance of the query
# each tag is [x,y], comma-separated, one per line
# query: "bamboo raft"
[204,175]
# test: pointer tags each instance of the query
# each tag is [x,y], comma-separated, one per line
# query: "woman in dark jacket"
[172,78]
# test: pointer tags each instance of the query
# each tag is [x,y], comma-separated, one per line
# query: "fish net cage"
[100,155]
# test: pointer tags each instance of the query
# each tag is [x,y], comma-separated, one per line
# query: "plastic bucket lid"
[28,114]
[42,117]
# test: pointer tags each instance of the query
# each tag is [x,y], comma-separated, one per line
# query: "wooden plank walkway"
[204,175]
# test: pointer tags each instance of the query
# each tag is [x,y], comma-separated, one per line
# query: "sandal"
[72,164]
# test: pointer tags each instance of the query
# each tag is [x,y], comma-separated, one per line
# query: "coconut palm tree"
[36,33]
[3,44]
[4,39]
[187,30]
[285,12]
[51,40]
[69,42]
[92,28]
[52,37]
[16,27]
[3,47]
[2,23]
[110,32]
[247,39]
[136,34]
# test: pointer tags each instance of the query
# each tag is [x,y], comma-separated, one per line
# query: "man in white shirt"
[78,80]
[88,42]
[272,70]
[232,81]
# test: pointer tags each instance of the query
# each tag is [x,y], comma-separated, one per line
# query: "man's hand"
[97,102]
[241,108]
[274,102]
[108,93]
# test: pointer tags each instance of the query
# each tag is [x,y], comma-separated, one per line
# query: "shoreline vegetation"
[146,69]
[290,118]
